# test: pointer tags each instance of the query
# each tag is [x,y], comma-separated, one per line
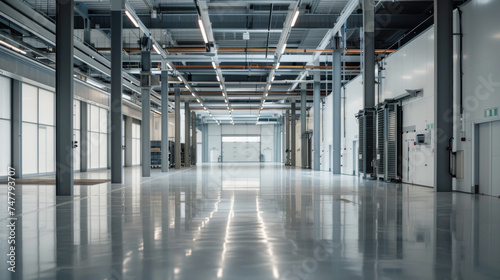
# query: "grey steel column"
[177,154]
[287,136]
[277,136]
[303,112]
[187,133]
[369,53]
[317,116]
[193,127]
[129,149]
[337,107]
[443,97]
[164,120]
[64,97]
[204,142]
[117,8]
[293,134]
[84,140]
[146,106]
[87,29]
[368,72]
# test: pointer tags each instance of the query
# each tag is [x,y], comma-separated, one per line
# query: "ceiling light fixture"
[12,47]
[156,49]
[203,32]
[283,49]
[295,17]
[132,19]
[96,84]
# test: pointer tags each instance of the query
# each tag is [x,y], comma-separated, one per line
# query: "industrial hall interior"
[249,139]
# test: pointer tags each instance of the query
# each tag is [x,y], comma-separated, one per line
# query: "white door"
[489,158]
[408,157]
[355,158]
[240,152]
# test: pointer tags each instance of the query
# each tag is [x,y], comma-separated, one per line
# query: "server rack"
[367,129]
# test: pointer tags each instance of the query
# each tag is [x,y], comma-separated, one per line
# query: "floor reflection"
[251,221]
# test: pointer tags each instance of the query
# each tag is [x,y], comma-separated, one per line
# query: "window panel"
[76,114]
[29,103]
[29,148]
[46,107]
[5,92]
[94,118]
[94,150]
[103,120]
[51,152]
[4,147]
[103,151]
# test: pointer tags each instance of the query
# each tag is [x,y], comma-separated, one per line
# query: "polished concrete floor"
[250,221]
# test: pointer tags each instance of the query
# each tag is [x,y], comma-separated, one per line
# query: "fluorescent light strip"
[12,47]
[96,84]
[277,66]
[132,19]
[295,18]
[169,66]
[283,49]
[156,49]
[214,66]
[203,32]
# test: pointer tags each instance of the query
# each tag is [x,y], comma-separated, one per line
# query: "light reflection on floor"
[251,221]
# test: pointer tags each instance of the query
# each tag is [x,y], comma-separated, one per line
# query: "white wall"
[481,79]
[353,103]
[412,67]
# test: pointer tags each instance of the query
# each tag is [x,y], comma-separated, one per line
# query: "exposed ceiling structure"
[262,50]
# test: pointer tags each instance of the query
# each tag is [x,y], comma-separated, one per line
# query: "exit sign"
[491,112]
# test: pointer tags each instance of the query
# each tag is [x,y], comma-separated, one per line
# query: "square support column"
[187,135]
[303,112]
[293,147]
[287,138]
[193,136]
[317,116]
[177,155]
[64,97]
[146,105]
[129,149]
[368,77]
[337,104]
[164,121]
[117,8]
[443,96]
